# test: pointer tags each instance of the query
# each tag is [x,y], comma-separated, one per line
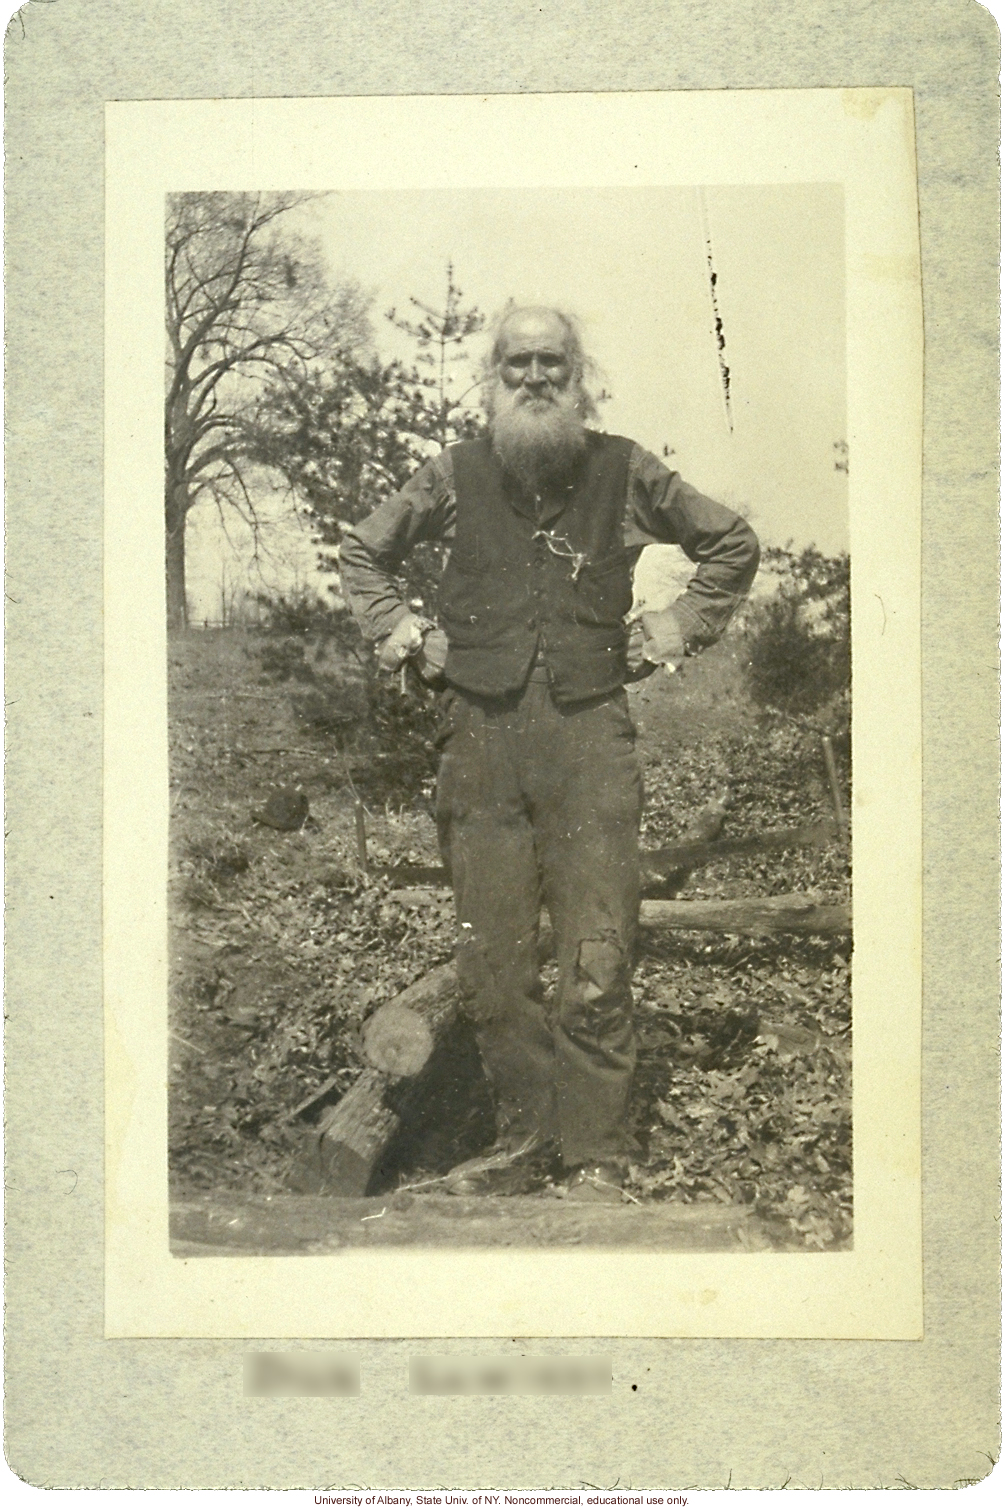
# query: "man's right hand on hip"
[404,640]
[432,658]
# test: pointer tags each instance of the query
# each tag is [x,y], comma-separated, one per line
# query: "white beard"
[538,438]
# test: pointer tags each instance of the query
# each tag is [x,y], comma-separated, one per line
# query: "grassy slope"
[280,946]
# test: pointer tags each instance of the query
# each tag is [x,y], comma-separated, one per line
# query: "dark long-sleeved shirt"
[660,509]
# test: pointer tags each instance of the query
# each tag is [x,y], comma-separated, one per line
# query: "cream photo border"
[860,138]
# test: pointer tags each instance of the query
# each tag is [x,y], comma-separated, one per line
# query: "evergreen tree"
[348,435]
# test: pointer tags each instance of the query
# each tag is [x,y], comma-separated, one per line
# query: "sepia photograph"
[509,668]
[509,655]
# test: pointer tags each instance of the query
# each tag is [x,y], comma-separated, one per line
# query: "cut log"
[400,1036]
[752,915]
[399,1040]
[341,1152]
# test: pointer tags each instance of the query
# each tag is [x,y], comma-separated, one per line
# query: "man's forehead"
[534,328]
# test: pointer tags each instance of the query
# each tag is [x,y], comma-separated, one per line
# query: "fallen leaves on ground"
[281,945]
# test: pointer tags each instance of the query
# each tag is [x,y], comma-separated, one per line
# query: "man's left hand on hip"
[656,638]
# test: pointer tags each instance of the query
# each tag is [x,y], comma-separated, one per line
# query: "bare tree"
[246,301]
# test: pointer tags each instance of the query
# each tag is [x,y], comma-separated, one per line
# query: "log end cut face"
[397,1040]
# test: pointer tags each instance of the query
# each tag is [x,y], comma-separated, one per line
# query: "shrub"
[798,641]
[336,690]
[283,660]
[404,726]
[299,612]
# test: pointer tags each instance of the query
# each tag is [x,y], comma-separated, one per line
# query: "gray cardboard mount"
[83,1411]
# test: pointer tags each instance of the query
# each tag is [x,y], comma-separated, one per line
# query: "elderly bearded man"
[539,792]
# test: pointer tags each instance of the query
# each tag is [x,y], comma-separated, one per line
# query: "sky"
[631,264]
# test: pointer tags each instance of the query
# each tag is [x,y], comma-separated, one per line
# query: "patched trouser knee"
[596,1011]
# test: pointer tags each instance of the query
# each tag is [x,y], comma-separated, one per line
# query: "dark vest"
[524,573]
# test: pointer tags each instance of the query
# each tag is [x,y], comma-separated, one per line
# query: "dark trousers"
[540,804]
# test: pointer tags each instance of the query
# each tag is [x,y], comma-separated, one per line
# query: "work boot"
[600,1183]
[504,1169]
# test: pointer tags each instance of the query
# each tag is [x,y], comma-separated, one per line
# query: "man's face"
[536,400]
[534,361]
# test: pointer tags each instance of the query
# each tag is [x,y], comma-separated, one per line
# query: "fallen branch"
[752,915]
[814,836]
[656,863]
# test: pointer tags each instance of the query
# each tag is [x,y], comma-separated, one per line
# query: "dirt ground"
[281,945]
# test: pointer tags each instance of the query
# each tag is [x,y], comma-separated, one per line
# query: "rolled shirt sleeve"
[665,510]
[372,552]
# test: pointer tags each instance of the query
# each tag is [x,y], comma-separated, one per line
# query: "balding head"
[538,325]
[535,395]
